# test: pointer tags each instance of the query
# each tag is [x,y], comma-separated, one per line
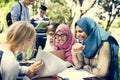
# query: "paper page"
[73,74]
[52,64]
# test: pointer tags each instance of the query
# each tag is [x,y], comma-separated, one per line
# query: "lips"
[59,42]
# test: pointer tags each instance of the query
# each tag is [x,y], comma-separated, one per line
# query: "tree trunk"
[110,22]
[80,10]
[76,17]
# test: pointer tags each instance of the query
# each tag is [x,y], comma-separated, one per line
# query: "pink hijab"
[67,46]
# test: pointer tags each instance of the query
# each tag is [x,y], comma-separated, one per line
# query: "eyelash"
[79,31]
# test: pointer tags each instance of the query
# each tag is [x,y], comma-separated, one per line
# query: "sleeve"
[15,11]
[23,70]
[103,63]
[10,73]
[78,60]
[9,66]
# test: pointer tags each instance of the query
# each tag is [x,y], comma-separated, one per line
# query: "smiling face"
[81,35]
[60,37]
[51,30]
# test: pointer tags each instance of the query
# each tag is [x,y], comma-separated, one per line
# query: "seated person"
[97,51]
[64,40]
[49,46]
[20,36]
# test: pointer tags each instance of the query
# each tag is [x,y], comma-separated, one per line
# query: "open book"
[73,74]
[42,24]
[52,64]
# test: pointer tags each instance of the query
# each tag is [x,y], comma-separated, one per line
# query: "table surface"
[73,74]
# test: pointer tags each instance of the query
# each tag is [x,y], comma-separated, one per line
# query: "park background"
[105,12]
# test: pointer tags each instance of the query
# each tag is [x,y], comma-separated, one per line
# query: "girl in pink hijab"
[64,40]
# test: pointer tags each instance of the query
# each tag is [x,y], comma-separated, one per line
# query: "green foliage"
[112,8]
[4,10]
[116,23]
[58,1]
[59,13]
[108,4]
[4,2]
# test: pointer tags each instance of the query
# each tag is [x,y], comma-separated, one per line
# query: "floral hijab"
[96,36]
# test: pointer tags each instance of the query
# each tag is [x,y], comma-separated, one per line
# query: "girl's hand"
[77,48]
[36,66]
[76,51]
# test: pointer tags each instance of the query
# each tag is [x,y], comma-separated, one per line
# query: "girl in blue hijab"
[98,51]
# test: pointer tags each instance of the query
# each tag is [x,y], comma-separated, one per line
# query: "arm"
[15,12]
[8,66]
[77,55]
[103,63]
[78,60]
[31,70]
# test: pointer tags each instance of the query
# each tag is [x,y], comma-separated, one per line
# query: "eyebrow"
[61,34]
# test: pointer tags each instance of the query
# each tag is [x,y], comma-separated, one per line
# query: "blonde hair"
[18,33]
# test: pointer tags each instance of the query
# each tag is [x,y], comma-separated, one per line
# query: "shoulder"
[106,43]
[9,66]
[15,4]
[8,56]
[8,60]
[46,18]
[7,53]
[105,48]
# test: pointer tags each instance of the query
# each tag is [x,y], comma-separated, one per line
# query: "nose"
[59,37]
[78,35]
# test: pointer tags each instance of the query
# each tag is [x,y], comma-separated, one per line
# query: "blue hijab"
[96,36]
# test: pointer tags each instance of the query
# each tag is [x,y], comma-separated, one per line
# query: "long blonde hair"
[18,33]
